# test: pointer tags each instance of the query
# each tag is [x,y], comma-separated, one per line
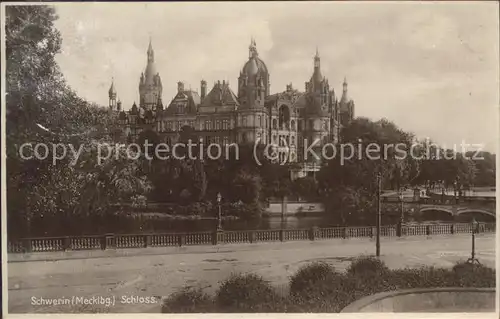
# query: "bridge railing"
[120,241]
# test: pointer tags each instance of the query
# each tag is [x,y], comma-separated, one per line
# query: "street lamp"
[401,199]
[379,212]
[473,259]
[219,214]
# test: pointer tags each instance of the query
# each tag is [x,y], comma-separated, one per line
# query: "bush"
[309,277]
[425,277]
[247,293]
[188,300]
[318,288]
[367,266]
[474,275]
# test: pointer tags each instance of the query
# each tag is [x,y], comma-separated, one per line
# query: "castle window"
[293,140]
[217,125]
[180,108]
[275,123]
[225,140]
[208,125]
[244,124]
[179,125]
[225,124]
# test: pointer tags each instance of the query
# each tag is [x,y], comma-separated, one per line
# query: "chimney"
[203,89]
[180,86]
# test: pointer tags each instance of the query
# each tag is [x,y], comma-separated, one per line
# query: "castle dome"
[254,65]
[250,68]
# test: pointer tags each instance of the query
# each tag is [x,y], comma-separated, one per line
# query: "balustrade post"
[399,229]
[181,239]
[27,245]
[108,241]
[67,243]
[146,240]
[220,236]
[428,230]
[214,238]
[452,229]
[312,233]
[251,236]
[282,235]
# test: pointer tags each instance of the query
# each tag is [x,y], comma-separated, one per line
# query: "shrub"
[367,266]
[310,276]
[318,288]
[474,275]
[247,293]
[188,300]
[425,277]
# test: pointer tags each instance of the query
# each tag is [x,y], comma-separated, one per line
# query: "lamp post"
[379,213]
[219,213]
[401,200]
[455,190]
[473,259]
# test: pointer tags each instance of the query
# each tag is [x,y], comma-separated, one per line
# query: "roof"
[190,100]
[314,105]
[221,94]
[253,66]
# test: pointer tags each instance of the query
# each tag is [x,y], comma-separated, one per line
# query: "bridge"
[440,207]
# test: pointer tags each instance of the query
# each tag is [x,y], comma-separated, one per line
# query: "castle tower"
[346,106]
[317,120]
[203,90]
[253,89]
[112,95]
[253,82]
[150,87]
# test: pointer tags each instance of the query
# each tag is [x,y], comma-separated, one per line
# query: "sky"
[432,68]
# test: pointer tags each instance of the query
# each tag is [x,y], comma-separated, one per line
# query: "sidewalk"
[222,248]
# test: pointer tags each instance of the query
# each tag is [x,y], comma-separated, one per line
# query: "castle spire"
[112,90]
[151,53]
[252,48]
[345,97]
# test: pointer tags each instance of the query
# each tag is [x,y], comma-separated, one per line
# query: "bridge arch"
[477,213]
[436,213]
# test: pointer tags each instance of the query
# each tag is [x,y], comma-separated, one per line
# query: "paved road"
[161,274]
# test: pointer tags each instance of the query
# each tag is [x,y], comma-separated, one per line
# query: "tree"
[306,187]
[246,188]
[349,185]
[41,108]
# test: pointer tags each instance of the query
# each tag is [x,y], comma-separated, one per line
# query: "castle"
[253,114]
